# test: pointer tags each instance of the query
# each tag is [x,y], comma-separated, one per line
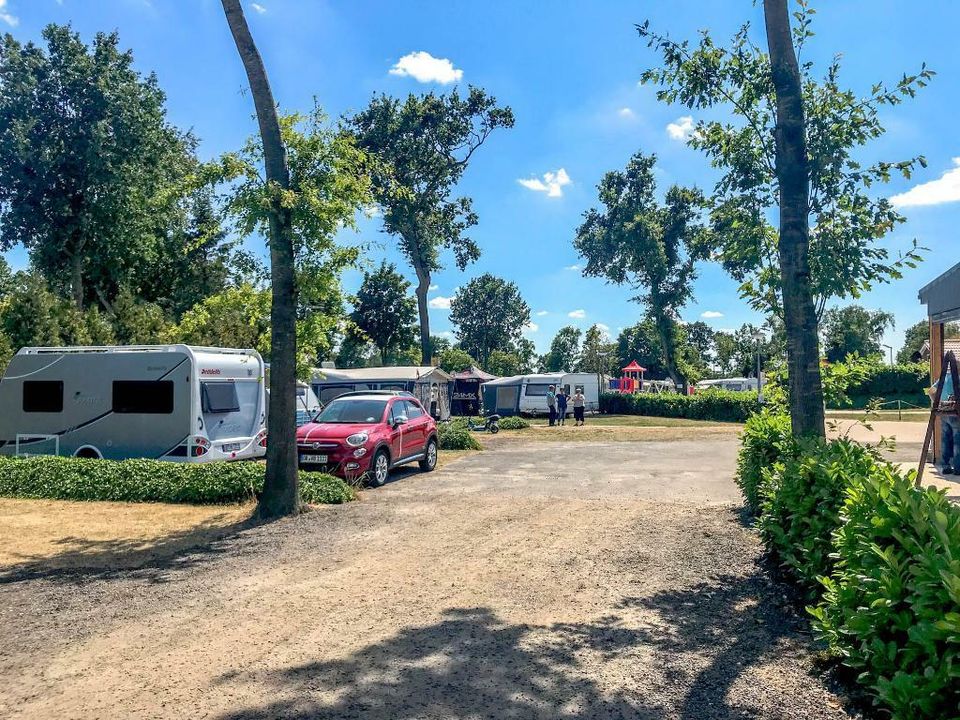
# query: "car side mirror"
[397,422]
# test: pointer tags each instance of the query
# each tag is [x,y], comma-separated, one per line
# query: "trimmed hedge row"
[878,559]
[766,438]
[67,478]
[907,382]
[513,422]
[719,405]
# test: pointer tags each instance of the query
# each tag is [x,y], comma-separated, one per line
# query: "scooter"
[490,424]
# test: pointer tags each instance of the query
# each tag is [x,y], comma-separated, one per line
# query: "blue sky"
[569,70]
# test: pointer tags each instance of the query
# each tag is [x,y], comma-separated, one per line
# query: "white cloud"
[577,314]
[681,128]
[572,267]
[710,314]
[11,20]
[936,192]
[424,67]
[440,303]
[625,112]
[445,333]
[552,183]
[531,327]
[603,328]
[433,287]
[258,8]
[541,313]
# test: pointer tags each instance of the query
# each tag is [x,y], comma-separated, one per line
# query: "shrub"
[719,405]
[455,436]
[891,608]
[513,422]
[800,505]
[766,439]
[67,478]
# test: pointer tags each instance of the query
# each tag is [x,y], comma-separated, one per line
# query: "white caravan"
[170,402]
[533,391]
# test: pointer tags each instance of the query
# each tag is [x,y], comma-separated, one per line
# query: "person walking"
[579,401]
[552,404]
[561,406]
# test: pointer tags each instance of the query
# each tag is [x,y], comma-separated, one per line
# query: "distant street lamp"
[890,348]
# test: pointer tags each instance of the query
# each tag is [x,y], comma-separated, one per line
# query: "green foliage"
[847,214]
[598,353]
[513,422]
[853,330]
[564,353]
[651,247]
[455,360]
[455,436]
[504,364]
[488,313]
[801,498]
[891,608]
[766,440]
[384,310]
[63,478]
[718,405]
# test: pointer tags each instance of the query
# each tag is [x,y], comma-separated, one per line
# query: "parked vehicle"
[527,394]
[490,424]
[172,402]
[366,435]
[430,385]
[735,384]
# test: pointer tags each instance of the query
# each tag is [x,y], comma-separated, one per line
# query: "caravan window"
[153,397]
[219,397]
[538,390]
[43,396]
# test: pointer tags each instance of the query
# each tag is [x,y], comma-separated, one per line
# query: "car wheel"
[379,469]
[429,462]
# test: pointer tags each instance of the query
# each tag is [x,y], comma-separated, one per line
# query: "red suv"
[368,434]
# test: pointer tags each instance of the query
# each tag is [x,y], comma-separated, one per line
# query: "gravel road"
[534,580]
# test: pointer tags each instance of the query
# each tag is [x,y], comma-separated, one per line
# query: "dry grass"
[612,433]
[66,534]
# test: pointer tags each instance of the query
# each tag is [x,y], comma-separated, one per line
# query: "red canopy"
[635,366]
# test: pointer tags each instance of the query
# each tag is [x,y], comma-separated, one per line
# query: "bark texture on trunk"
[281,491]
[665,331]
[423,285]
[793,175]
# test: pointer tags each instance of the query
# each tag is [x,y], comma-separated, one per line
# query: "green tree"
[913,339]
[792,147]
[652,247]
[385,311]
[503,364]
[424,145]
[641,342]
[89,165]
[455,360]
[598,353]
[237,317]
[564,352]
[854,329]
[700,337]
[488,314]
[725,350]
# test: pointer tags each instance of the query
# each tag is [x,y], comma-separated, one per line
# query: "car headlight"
[359,452]
[357,439]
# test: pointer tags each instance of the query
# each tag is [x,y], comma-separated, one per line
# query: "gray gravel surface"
[530,581]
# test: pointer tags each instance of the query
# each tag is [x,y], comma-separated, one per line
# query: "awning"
[942,296]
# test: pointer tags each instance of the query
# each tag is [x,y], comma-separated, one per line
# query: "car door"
[398,430]
[416,434]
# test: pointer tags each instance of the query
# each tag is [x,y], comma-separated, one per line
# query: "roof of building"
[634,365]
[942,296]
[474,373]
[383,374]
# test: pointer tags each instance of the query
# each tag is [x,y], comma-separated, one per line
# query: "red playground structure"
[632,380]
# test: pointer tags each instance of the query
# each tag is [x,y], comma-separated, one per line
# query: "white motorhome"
[170,402]
[533,391]
[735,384]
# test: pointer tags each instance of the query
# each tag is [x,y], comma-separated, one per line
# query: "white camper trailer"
[533,391]
[171,402]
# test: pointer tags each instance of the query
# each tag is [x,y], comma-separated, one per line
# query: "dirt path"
[523,582]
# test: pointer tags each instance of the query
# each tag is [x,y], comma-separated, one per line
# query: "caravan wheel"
[88,452]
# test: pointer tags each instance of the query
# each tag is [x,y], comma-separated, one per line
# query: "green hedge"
[766,439]
[513,422]
[891,608]
[63,478]
[719,405]
[907,382]
[454,435]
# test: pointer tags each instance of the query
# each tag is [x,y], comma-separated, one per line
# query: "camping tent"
[466,390]
[430,385]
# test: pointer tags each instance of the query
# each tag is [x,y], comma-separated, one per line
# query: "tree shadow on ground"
[153,559]
[679,654]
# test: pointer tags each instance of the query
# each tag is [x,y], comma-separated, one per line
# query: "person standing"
[552,404]
[949,429]
[579,401]
[561,406]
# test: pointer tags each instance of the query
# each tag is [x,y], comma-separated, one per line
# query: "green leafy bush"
[719,405]
[67,478]
[455,436]
[766,439]
[800,505]
[891,608]
[513,422]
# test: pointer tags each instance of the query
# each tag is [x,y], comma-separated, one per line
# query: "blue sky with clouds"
[569,70]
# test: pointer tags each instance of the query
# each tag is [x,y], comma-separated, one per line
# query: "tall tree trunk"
[423,285]
[793,175]
[281,491]
[76,279]
[666,330]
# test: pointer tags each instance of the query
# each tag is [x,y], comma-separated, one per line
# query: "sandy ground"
[534,580]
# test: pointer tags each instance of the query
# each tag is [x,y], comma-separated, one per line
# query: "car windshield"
[352,411]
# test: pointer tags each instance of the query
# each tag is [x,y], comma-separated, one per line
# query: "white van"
[169,402]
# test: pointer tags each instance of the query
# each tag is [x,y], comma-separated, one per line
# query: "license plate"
[319,459]
[231,447]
